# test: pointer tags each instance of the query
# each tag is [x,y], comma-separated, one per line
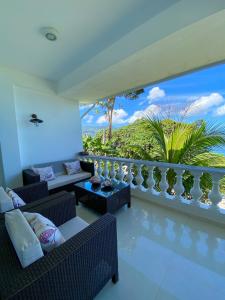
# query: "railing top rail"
[158,164]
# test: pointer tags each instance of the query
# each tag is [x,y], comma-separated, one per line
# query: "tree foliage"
[165,141]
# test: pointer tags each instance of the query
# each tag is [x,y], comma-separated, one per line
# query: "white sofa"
[62,180]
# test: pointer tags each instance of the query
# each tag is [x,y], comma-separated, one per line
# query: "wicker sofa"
[77,269]
[34,192]
[62,181]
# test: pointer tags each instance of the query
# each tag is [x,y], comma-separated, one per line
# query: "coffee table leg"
[129,204]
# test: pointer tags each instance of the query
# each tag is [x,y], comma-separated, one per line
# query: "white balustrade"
[178,191]
[178,187]
[121,172]
[196,191]
[150,180]
[215,195]
[106,170]
[112,171]
[130,176]
[139,178]
[163,183]
[99,169]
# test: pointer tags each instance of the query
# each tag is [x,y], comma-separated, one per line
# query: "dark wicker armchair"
[78,269]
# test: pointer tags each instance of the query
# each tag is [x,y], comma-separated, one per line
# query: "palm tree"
[109,104]
[188,144]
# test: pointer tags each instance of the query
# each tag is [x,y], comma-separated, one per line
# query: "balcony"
[169,247]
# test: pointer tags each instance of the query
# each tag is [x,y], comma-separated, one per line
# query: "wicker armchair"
[78,269]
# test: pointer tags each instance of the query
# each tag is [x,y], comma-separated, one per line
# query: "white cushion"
[45,173]
[24,240]
[5,201]
[17,201]
[67,179]
[72,167]
[72,227]
[48,234]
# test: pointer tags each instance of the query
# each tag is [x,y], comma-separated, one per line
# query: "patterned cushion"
[17,201]
[45,173]
[5,201]
[47,233]
[72,167]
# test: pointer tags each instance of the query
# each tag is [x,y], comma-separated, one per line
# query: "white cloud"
[220,111]
[156,93]
[151,111]
[118,117]
[203,104]
[89,119]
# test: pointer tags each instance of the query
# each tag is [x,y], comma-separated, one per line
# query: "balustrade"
[141,175]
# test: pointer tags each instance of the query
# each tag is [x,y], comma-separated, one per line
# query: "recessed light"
[50,33]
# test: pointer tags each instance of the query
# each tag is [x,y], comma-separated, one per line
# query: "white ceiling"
[85,27]
[108,46]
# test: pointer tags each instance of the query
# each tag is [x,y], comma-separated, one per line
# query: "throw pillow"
[45,173]
[5,201]
[25,242]
[72,167]
[17,201]
[48,234]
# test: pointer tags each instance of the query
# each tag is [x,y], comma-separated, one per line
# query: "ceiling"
[108,46]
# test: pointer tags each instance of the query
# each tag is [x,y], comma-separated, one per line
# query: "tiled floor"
[165,255]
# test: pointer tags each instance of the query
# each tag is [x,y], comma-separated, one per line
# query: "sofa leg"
[115,278]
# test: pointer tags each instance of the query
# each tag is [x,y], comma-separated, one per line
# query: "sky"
[195,96]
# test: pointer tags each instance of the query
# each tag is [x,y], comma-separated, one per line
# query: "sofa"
[35,194]
[77,269]
[62,180]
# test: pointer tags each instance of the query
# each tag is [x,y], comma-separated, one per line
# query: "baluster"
[163,183]
[196,191]
[112,171]
[130,176]
[120,173]
[151,180]
[99,169]
[178,187]
[106,170]
[215,196]
[95,166]
[139,178]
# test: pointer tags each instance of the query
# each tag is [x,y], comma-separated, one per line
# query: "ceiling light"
[50,33]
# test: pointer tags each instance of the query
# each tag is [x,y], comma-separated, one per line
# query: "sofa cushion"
[5,201]
[62,180]
[57,166]
[46,173]
[72,227]
[24,240]
[72,167]
[17,201]
[48,234]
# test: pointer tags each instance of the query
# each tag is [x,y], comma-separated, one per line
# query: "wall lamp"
[34,119]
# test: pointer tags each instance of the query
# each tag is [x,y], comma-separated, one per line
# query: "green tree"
[187,144]
[108,106]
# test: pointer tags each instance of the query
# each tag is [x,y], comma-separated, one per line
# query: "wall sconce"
[34,119]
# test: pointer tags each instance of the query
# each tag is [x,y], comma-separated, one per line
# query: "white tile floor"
[165,255]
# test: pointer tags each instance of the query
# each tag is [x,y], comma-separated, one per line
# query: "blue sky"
[200,95]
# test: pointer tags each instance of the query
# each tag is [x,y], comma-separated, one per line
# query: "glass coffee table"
[100,200]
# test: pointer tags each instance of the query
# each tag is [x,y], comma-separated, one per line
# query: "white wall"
[58,138]
[21,143]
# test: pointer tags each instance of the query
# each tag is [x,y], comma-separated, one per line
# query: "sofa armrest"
[32,192]
[87,167]
[59,207]
[30,177]
[78,269]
